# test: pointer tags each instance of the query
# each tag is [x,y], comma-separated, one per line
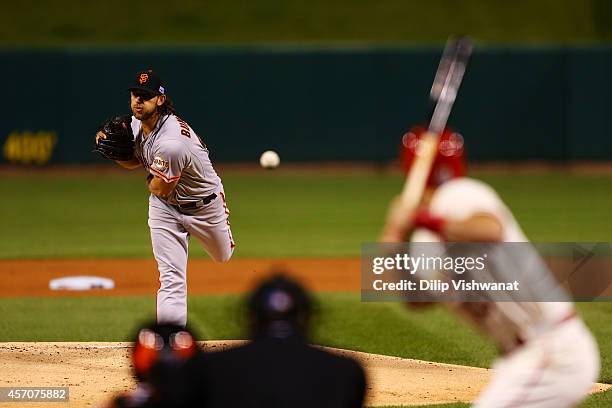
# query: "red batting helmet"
[449,162]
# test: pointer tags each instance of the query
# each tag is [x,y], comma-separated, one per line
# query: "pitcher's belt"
[197,204]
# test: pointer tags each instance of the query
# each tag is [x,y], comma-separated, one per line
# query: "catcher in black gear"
[278,368]
[115,139]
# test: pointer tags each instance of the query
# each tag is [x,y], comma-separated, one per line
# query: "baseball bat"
[443,94]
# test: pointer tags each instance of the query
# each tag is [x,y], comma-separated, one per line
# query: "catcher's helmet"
[449,162]
[279,307]
[161,349]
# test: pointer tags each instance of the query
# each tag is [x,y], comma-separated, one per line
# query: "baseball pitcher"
[187,196]
[549,358]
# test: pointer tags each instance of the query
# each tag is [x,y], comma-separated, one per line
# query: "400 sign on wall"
[29,147]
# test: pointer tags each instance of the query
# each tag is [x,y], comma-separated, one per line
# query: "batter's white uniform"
[173,151]
[556,360]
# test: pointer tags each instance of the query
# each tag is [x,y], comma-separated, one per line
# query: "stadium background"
[318,82]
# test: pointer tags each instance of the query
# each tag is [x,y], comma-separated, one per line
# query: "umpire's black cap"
[279,307]
[148,81]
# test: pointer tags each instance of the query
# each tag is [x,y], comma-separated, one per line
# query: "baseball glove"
[117,141]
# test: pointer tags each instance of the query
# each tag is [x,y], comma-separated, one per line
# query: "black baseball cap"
[148,81]
[276,300]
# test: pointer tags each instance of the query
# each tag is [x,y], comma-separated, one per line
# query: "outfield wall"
[312,104]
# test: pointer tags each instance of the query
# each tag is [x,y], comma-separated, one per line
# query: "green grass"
[273,214]
[190,22]
[343,321]
[600,400]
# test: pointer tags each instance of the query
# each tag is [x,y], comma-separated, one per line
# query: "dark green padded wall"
[321,104]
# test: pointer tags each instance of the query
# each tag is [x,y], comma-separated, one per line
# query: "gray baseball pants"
[170,232]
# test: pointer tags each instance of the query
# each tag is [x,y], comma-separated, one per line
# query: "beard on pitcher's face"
[143,108]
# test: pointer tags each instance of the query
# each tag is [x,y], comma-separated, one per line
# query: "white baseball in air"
[269,159]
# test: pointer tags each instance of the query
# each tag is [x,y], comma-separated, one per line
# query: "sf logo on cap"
[143,78]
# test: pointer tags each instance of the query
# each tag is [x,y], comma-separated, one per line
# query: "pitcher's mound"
[95,371]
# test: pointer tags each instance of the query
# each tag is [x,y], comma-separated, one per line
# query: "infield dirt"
[95,371]
[140,276]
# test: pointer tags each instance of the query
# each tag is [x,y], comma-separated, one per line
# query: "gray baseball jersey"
[173,151]
[197,206]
